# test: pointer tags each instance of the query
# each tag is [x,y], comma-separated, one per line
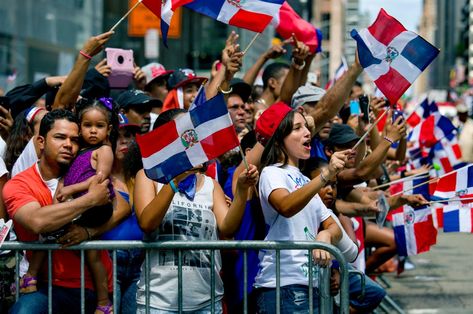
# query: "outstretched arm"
[70,89]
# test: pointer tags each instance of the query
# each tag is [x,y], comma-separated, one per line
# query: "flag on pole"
[253,15]
[447,154]
[414,230]
[430,131]
[458,184]
[291,23]
[392,56]
[422,111]
[458,217]
[200,135]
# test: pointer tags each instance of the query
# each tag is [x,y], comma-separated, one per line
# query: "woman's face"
[124,139]
[297,143]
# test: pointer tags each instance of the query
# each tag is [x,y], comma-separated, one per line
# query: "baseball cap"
[95,85]
[135,97]
[269,121]
[183,77]
[305,94]
[241,88]
[341,134]
[124,123]
[155,70]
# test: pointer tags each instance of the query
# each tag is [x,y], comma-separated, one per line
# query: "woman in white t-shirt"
[191,207]
[293,212]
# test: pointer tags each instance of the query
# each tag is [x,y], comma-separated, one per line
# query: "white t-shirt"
[294,263]
[27,158]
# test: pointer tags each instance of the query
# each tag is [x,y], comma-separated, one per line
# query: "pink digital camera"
[121,63]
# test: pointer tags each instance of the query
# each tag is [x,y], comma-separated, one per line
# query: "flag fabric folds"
[422,111]
[458,184]
[195,137]
[430,131]
[414,230]
[253,15]
[291,23]
[458,217]
[392,56]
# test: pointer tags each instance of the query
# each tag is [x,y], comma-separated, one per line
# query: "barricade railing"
[325,303]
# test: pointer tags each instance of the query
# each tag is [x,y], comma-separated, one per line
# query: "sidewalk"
[442,281]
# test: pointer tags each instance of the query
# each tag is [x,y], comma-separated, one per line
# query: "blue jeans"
[374,293]
[64,300]
[128,273]
[206,310]
[294,299]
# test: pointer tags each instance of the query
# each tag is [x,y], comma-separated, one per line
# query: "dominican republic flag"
[458,218]
[342,68]
[422,111]
[430,131]
[200,135]
[291,23]
[447,154]
[414,230]
[458,184]
[392,56]
[253,15]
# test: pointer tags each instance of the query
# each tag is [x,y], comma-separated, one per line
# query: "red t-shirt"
[27,187]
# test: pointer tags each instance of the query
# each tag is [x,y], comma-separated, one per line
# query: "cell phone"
[364,106]
[5,102]
[121,63]
[354,107]
[396,114]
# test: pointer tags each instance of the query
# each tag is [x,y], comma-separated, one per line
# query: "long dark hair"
[19,135]
[274,151]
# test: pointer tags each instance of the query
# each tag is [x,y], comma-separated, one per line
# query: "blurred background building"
[42,37]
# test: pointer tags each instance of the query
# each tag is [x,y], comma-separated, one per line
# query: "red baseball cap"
[269,121]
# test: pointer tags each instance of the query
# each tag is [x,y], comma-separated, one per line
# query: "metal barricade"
[325,304]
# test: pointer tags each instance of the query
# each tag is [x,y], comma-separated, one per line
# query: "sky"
[408,12]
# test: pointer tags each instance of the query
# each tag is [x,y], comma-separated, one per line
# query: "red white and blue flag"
[458,217]
[430,131]
[342,68]
[392,56]
[253,15]
[200,135]
[414,230]
[456,185]
[291,23]
[422,111]
[447,154]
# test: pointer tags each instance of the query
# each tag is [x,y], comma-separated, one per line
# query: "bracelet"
[87,56]
[173,186]
[323,178]
[225,92]
[297,66]
[389,140]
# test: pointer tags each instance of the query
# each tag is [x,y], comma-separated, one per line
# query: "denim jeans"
[374,293]
[64,300]
[294,299]
[206,310]
[128,273]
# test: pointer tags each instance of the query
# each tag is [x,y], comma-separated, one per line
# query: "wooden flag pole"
[451,200]
[413,177]
[125,16]
[426,182]
[370,128]
[251,43]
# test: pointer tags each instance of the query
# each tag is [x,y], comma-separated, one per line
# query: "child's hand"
[64,194]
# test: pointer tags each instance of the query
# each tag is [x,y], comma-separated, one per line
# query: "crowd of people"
[71,171]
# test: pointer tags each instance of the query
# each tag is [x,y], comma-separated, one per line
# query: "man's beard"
[63,167]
